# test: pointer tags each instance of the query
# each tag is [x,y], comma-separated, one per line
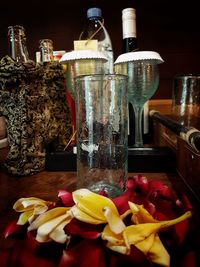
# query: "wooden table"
[45,185]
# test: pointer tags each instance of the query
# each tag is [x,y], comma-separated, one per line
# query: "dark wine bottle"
[130,44]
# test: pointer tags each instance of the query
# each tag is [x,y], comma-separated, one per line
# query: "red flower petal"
[181,230]
[86,253]
[136,258]
[12,228]
[158,189]
[141,183]
[85,230]
[189,259]
[66,198]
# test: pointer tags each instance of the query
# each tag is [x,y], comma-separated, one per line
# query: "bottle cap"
[129,13]
[94,12]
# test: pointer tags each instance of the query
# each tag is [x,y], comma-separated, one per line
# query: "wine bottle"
[129,43]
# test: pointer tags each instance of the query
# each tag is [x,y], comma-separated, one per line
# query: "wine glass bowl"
[143,80]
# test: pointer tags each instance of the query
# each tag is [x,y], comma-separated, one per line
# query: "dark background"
[170,27]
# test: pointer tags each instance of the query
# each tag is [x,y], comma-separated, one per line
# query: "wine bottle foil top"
[81,55]
[151,56]
[129,13]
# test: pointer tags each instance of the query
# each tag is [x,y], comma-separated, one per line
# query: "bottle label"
[86,45]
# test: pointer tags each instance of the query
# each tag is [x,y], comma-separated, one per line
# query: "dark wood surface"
[45,185]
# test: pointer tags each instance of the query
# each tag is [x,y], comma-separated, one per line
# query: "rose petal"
[85,230]
[90,253]
[66,198]
[12,228]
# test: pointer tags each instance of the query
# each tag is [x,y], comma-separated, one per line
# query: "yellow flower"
[143,234]
[30,208]
[96,209]
[50,225]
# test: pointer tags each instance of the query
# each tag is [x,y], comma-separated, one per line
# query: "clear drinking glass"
[101,108]
[186,100]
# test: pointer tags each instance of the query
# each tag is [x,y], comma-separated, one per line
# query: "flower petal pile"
[120,224]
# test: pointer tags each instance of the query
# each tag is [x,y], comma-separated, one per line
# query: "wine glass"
[143,79]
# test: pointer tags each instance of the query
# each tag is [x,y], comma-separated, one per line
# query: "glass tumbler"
[101,108]
[186,100]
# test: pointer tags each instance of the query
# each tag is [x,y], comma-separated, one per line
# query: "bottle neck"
[46,50]
[17,39]
[129,30]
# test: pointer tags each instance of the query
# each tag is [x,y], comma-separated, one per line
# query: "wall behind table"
[168,27]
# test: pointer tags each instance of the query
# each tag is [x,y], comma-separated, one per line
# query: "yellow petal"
[137,233]
[45,217]
[140,214]
[45,229]
[146,244]
[23,218]
[58,234]
[120,249]
[84,217]
[107,234]
[115,222]
[115,241]
[23,204]
[93,204]
[158,254]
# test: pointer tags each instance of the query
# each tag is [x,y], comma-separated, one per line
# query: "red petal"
[181,230]
[136,258]
[4,257]
[121,202]
[66,198]
[189,260]
[131,183]
[158,189]
[68,259]
[84,254]
[85,230]
[142,184]
[12,228]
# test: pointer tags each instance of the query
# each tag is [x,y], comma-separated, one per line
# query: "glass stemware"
[143,79]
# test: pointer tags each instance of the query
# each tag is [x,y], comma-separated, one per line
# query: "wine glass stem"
[138,126]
